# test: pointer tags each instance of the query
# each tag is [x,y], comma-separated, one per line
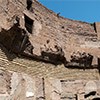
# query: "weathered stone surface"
[52,89]
[39,88]
[64,32]
[16,86]
[97,24]
[26,79]
[21,86]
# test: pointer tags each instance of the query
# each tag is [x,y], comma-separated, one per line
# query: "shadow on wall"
[99,65]
[96,98]
[10,56]
[29,4]
[9,41]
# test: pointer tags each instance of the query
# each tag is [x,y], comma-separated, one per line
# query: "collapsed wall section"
[43,24]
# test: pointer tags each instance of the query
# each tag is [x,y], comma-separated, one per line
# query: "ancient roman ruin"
[44,56]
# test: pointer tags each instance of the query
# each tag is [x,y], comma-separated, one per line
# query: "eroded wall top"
[46,25]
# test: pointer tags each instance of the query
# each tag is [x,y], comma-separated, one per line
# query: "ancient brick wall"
[67,33]
[64,32]
[26,79]
[20,86]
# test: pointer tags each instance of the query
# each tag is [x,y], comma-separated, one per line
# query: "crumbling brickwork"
[25,74]
[45,24]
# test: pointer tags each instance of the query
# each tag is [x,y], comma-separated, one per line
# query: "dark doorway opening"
[29,4]
[28,24]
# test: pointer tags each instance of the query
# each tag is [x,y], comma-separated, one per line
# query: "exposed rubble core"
[29,25]
[24,87]
[44,56]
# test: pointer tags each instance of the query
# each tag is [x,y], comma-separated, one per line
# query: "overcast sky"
[83,10]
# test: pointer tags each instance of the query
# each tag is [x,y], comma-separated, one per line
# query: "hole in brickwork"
[62,27]
[28,24]
[29,4]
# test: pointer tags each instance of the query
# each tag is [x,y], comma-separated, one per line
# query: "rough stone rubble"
[20,86]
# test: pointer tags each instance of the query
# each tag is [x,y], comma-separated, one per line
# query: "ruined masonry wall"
[64,32]
[20,86]
[67,33]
